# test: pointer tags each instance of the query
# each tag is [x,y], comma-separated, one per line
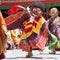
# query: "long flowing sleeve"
[3,37]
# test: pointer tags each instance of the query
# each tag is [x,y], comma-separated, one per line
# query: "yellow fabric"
[43,20]
[34,29]
[26,22]
[25,35]
[27,26]
[39,25]
[13,35]
[16,39]
[12,32]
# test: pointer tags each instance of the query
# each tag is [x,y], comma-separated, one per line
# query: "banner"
[24,2]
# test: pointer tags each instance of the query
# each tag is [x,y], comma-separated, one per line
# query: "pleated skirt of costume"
[29,43]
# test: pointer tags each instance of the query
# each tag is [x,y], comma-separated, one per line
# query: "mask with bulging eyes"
[36,12]
[54,12]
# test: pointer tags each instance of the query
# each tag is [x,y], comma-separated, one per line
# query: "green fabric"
[52,5]
[51,46]
[58,44]
[55,40]
[5,7]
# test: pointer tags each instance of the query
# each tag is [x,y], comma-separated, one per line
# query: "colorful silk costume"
[54,28]
[30,32]
[3,37]
[54,43]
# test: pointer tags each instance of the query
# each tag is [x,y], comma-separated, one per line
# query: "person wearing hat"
[32,27]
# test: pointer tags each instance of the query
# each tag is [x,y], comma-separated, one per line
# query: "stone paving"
[18,54]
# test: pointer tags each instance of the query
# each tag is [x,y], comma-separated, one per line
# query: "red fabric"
[9,12]
[2,56]
[27,29]
[34,24]
[15,9]
[12,18]
[38,18]
[42,41]
[28,2]
[28,47]
[25,46]
[33,44]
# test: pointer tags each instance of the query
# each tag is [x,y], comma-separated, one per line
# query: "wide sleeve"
[3,37]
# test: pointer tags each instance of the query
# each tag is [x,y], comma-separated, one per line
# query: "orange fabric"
[1,29]
[2,35]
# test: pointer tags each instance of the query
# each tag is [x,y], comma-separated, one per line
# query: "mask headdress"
[15,9]
[38,5]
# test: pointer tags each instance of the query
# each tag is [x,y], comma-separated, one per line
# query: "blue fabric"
[25,40]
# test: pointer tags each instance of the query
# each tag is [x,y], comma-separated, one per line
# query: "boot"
[29,55]
[53,52]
